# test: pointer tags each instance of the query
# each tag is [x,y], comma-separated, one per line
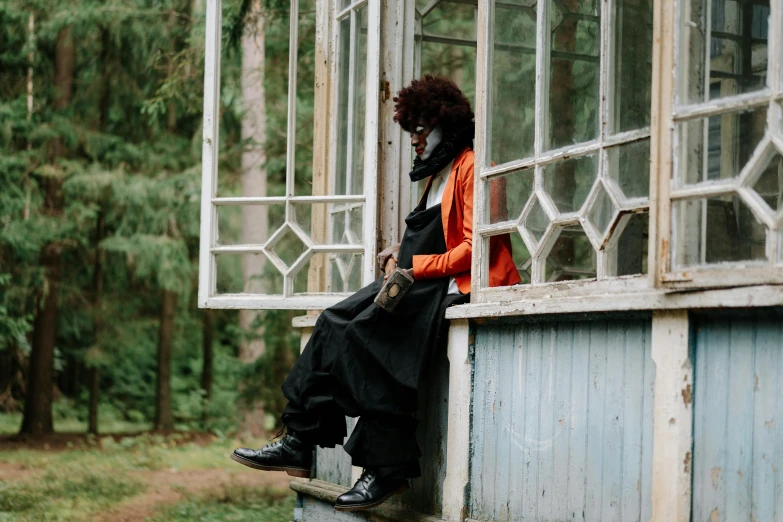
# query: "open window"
[319,233]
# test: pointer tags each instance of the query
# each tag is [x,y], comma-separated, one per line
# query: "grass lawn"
[158,478]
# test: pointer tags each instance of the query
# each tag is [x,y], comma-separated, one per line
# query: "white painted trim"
[651,299]
[484,30]
[267,302]
[276,200]
[209,151]
[672,417]
[348,10]
[371,133]
[455,484]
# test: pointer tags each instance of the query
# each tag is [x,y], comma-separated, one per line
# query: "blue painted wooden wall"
[738,418]
[562,421]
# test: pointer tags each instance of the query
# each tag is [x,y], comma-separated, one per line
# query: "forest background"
[100,164]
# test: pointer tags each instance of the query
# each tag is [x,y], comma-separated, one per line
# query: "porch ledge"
[746,297]
[328,492]
[305,321]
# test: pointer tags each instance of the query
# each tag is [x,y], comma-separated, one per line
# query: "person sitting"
[363,361]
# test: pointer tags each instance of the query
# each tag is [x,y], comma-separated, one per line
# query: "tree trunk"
[206,373]
[164,419]
[38,404]
[93,374]
[255,220]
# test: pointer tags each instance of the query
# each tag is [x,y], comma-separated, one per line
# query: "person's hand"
[386,254]
[408,271]
[391,264]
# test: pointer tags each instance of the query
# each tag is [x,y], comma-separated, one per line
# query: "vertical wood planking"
[595,421]
[562,420]
[531,412]
[612,473]
[577,459]
[738,439]
[739,422]
[633,413]
[766,389]
[566,440]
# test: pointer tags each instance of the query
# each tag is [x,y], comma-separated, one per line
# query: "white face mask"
[435,137]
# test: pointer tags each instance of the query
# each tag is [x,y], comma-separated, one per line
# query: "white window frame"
[728,274]
[327,37]
[735,286]
[483,173]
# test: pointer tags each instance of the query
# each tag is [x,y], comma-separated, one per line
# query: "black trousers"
[332,380]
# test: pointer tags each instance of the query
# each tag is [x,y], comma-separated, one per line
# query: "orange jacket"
[457,215]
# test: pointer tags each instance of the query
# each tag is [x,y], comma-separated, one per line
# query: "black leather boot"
[369,491]
[290,454]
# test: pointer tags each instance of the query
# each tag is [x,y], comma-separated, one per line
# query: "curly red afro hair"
[432,100]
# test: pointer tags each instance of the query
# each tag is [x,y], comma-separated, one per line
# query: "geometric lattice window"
[316,236]
[727,194]
[564,161]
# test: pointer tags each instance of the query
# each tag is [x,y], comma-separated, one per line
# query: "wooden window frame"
[327,19]
[673,112]
[746,285]
[484,172]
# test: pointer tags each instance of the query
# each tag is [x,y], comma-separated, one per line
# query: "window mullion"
[543,41]
[606,54]
[207,279]
[484,39]
[350,114]
[371,128]
[293,50]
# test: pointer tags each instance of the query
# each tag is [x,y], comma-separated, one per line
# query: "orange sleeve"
[458,259]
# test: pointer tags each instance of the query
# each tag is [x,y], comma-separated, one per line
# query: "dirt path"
[168,487]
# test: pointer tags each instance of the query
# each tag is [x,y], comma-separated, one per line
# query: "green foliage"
[65,494]
[129,159]
[94,474]
[236,504]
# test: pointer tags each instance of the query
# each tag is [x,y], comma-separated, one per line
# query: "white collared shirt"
[434,197]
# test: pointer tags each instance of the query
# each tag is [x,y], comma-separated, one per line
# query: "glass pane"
[344,148]
[508,195]
[629,253]
[521,256]
[312,277]
[632,26]
[629,167]
[513,84]
[345,272]
[359,102]
[511,243]
[601,211]
[730,140]
[346,225]
[569,182]
[735,61]
[261,276]
[574,72]
[448,45]
[252,158]
[769,185]
[248,224]
[536,220]
[305,84]
[716,230]
[572,256]
[289,247]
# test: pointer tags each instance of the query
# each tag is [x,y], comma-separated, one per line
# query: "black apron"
[364,361]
